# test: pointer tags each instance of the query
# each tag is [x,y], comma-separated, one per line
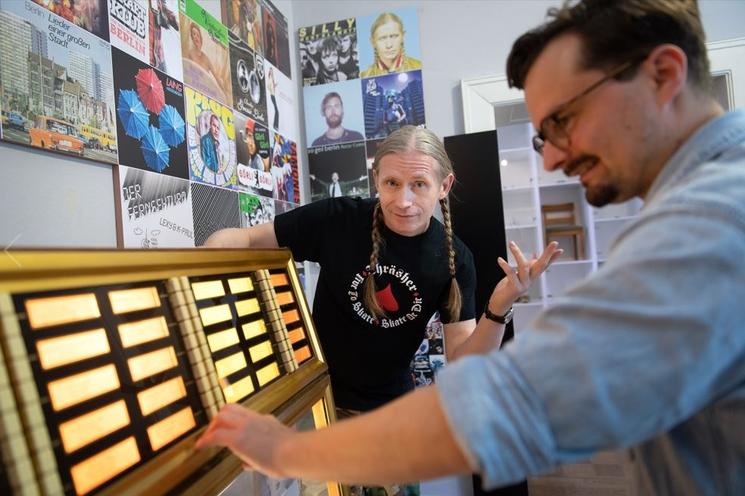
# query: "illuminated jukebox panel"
[114,361]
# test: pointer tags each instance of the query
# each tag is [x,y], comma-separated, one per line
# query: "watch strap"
[499,319]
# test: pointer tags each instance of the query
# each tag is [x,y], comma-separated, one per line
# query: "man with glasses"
[649,351]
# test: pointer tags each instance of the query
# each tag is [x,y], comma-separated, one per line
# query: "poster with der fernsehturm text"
[57,87]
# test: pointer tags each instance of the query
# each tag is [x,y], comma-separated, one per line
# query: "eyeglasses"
[553,127]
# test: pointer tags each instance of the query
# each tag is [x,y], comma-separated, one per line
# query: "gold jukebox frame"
[112,362]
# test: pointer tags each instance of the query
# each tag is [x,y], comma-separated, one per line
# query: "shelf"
[520,226]
[517,189]
[528,305]
[615,219]
[559,185]
[560,263]
[517,149]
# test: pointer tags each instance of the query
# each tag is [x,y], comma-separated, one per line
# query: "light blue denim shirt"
[648,352]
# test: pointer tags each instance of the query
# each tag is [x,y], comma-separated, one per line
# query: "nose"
[553,158]
[405,198]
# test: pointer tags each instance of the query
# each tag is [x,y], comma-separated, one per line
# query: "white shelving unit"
[525,187]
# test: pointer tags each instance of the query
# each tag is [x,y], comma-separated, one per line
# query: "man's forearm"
[408,439]
[229,238]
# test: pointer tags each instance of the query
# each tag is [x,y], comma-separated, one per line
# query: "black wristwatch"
[499,319]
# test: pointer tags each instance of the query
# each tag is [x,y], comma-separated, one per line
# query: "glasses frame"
[553,127]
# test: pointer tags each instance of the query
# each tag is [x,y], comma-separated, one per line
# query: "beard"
[333,121]
[601,195]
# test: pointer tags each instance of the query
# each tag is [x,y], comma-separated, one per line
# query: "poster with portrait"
[280,102]
[276,37]
[391,102]
[165,38]
[328,52]
[90,15]
[281,207]
[150,117]
[205,53]
[210,135]
[333,113]
[252,142]
[155,210]
[247,78]
[338,170]
[57,93]
[430,356]
[389,42]
[255,209]
[284,171]
[243,19]
[129,24]
[213,209]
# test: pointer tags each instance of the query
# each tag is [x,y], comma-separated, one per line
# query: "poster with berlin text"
[205,54]
[129,22]
[243,19]
[156,210]
[57,88]
[328,52]
[276,37]
[150,117]
[210,132]
[90,15]
[165,38]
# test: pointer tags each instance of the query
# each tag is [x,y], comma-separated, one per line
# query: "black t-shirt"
[369,361]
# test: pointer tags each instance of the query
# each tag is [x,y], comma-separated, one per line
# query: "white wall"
[50,200]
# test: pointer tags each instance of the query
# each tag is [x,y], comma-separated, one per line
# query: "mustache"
[577,163]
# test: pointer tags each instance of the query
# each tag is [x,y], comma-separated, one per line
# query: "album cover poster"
[57,91]
[371,148]
[129,22]
[248,80]
[280,102]
[430,356]
[213,209]
[165,38]
[389,42]
[156,210]
[328,52]
[210,140]
[254,149]
[284,171]
[255,209]
[333,113]
[205,53]
[150,117]
[243,19]
[338,170]
[391,102]
[90,15]
[276,37]
[281,207]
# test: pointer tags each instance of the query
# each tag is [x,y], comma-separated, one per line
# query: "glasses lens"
[538,143]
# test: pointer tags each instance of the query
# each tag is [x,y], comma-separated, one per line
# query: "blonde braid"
[369,290]
[455,298]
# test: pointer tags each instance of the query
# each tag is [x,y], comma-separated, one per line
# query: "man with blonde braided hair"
[387,265]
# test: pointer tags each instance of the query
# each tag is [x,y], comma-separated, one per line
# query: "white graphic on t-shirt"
[407,311]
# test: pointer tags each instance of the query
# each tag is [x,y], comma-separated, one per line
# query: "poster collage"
[362,80]
[198,112]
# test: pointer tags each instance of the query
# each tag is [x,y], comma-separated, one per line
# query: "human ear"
[668,66]
[446,185]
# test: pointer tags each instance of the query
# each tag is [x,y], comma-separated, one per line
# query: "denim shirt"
[648,352]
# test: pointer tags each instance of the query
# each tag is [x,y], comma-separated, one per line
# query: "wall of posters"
[57,83]
[184,104]
[362,80]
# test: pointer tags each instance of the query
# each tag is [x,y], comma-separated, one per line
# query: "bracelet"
[499,319]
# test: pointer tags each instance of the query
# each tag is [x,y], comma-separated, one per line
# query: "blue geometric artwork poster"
[149,117]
